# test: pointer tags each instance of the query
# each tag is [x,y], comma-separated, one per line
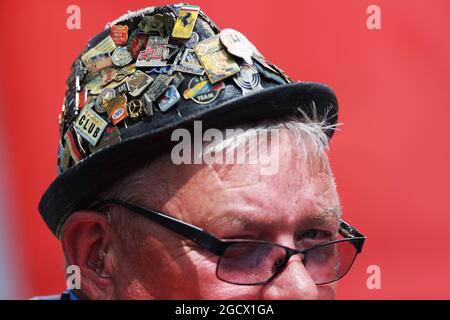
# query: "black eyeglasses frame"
[218,246]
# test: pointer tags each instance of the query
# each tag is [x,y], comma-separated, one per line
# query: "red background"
[391,160]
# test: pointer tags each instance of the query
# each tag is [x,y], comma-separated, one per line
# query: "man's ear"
[85,238]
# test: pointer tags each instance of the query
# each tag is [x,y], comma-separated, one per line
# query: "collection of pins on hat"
[131,73]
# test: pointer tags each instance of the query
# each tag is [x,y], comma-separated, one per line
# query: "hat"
[152,71]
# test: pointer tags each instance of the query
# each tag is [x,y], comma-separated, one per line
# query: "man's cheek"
[204,263]
[210,287]
[194,275]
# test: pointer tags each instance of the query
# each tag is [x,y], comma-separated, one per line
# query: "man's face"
[297,205]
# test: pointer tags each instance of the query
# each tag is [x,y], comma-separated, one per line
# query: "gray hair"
[304,130]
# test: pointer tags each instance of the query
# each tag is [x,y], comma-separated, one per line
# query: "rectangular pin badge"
[99,62]
[72,144]
[90,125]
[107,45]
[187,16]
[116,108]
[64,157]
[216,60]
[155,54]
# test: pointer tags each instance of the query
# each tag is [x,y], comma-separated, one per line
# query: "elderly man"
[190,167]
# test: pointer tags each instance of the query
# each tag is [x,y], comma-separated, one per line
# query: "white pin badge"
[238,45]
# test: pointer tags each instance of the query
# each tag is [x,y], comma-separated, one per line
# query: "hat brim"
[78,186]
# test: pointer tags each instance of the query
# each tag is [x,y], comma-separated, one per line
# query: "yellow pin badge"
[187,16]
[191,92]
[216,60]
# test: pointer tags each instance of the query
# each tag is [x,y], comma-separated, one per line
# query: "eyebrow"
[236,219]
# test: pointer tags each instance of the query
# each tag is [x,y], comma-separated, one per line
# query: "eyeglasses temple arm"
[350,232]
[191,232]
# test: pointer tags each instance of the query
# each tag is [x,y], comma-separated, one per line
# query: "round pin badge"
[237,44]
[105,94]
[192,40]
[248,79]
[202,91]
[121,57]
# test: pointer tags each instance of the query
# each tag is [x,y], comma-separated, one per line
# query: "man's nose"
[293,283]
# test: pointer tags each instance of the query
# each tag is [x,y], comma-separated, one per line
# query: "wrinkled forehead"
[302,183]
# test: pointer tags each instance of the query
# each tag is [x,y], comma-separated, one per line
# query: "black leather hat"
[152,71]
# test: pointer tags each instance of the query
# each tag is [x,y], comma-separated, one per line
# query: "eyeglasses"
[255,262]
